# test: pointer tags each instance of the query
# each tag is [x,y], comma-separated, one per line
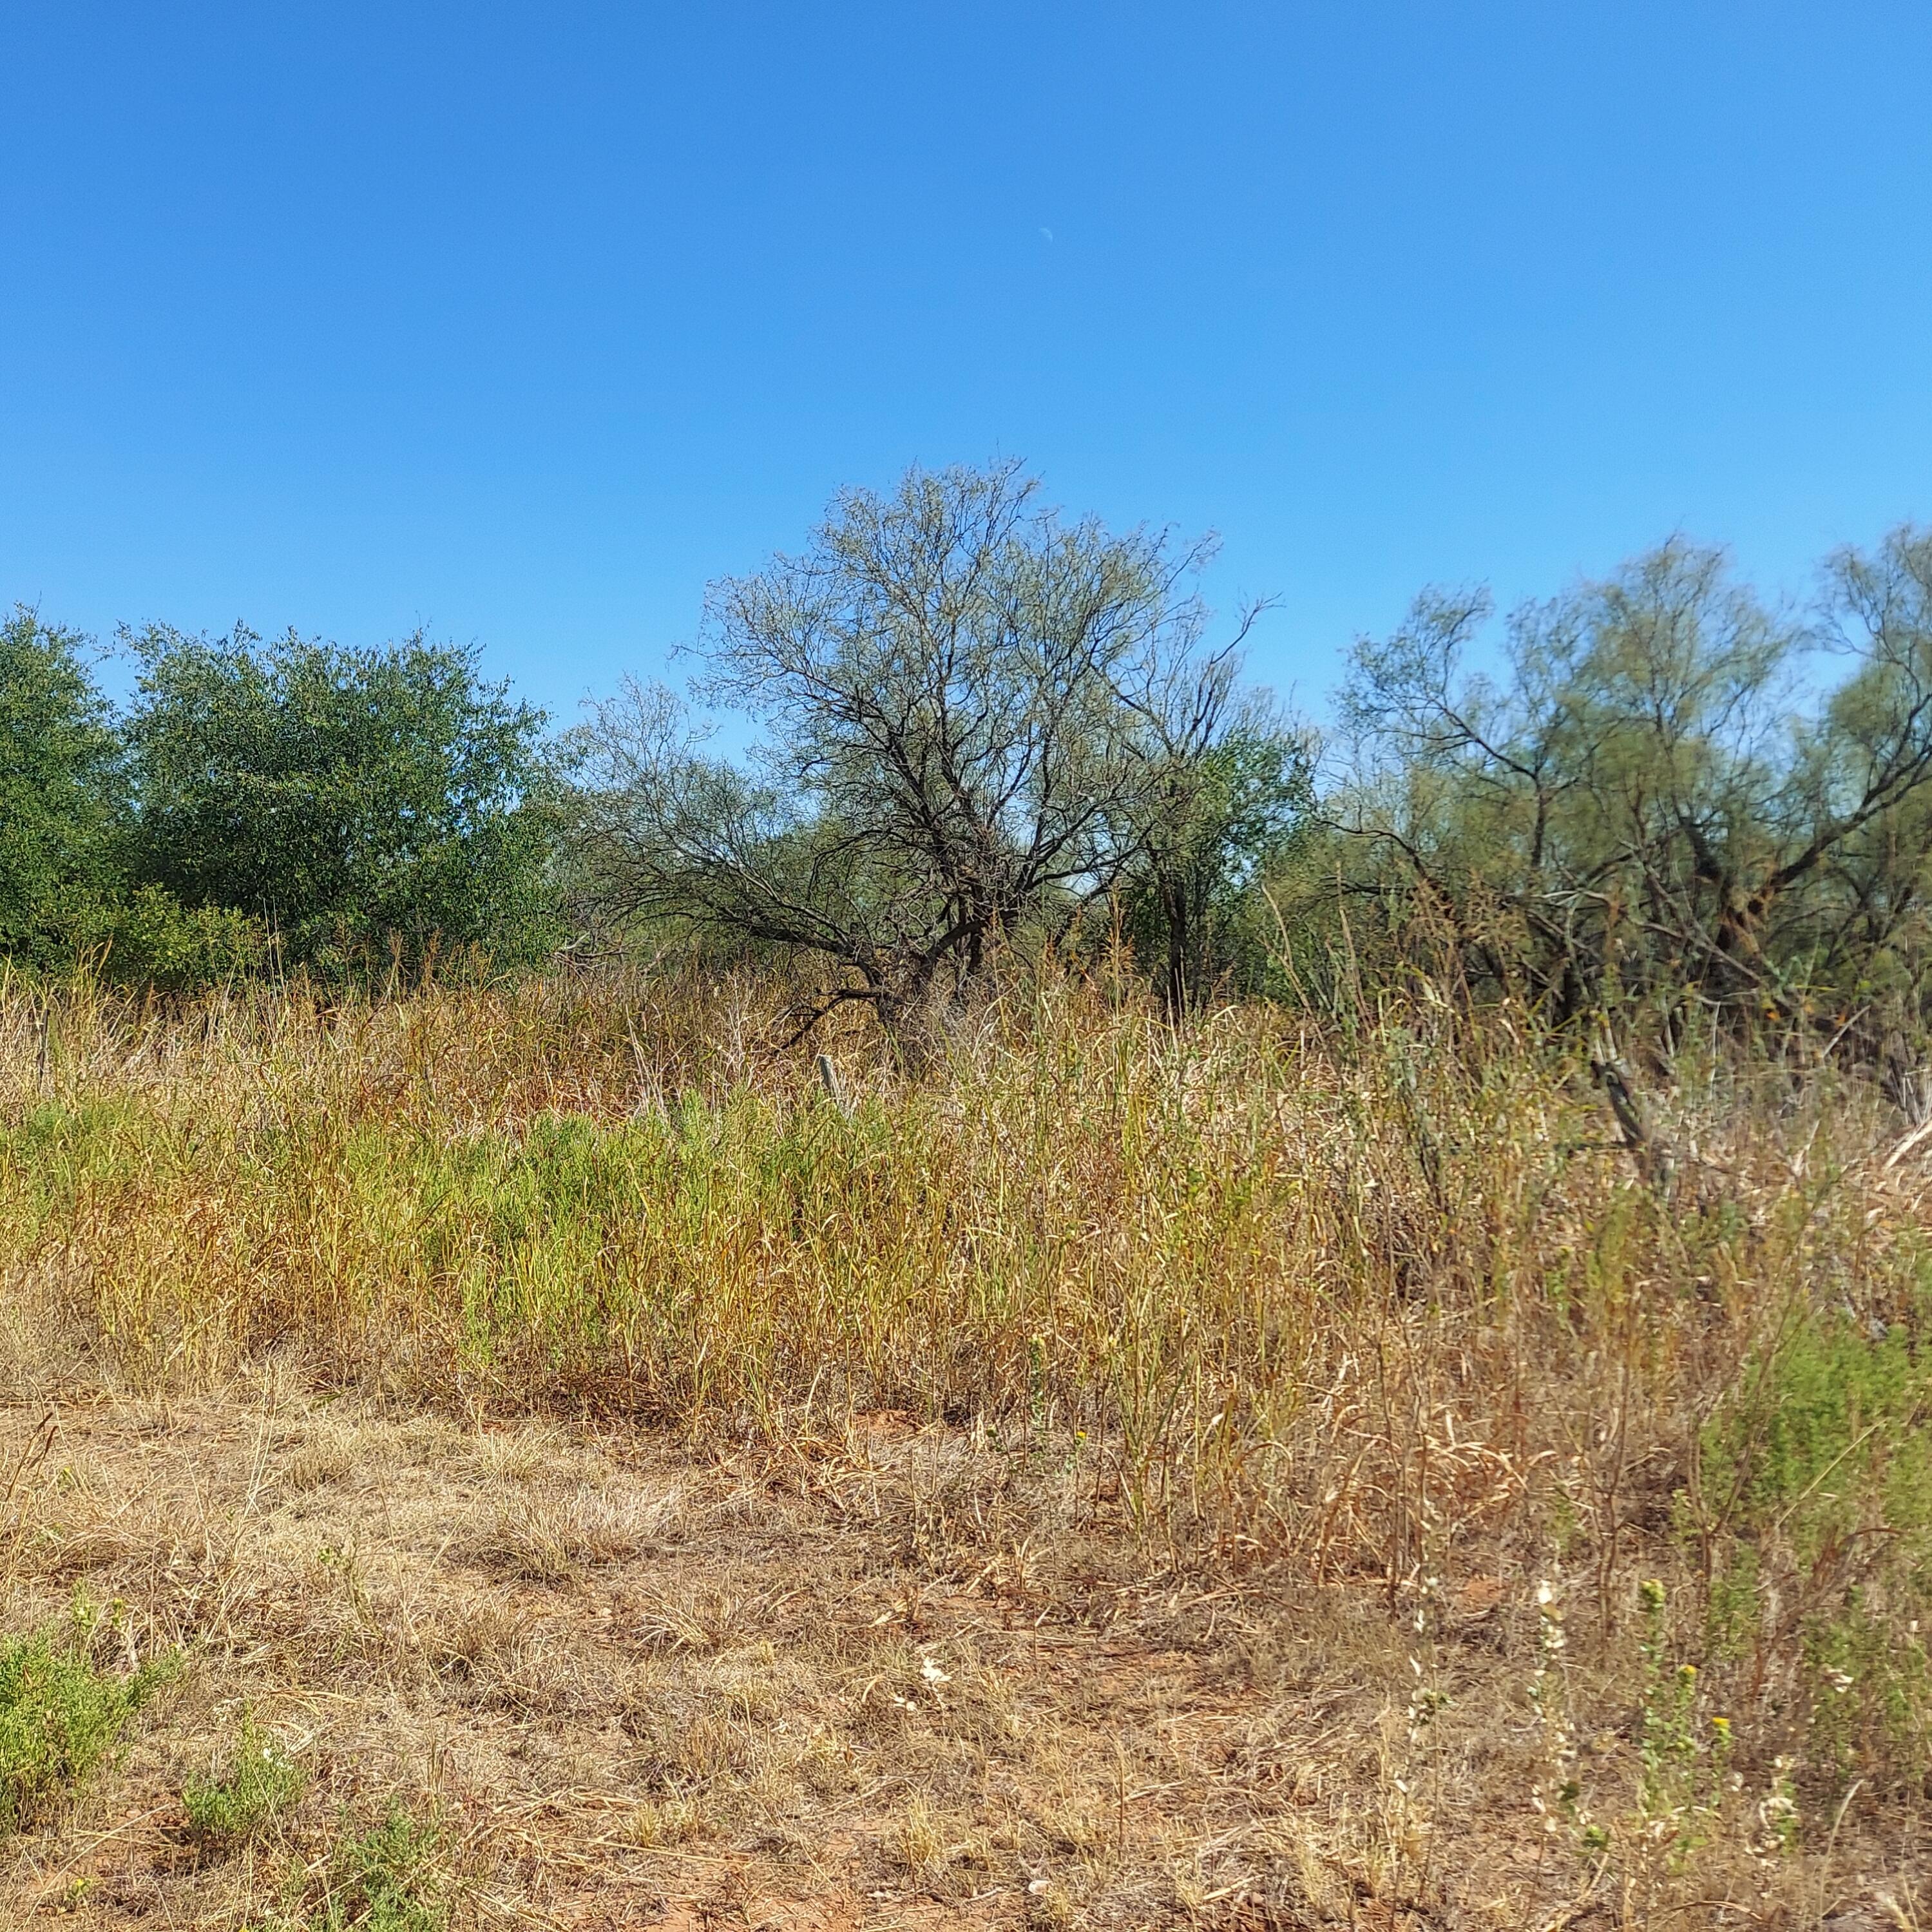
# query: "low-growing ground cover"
[591,1472]
[61,1714]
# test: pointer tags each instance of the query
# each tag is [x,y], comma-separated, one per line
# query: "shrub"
[388,1878]
[61,793]
[60,1716]
[263,1782]
[1820,1464]
[373,809]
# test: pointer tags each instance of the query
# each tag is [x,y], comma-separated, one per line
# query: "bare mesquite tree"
[972,717]
[1654,796]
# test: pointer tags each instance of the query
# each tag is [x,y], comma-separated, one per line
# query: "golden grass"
[1127,1476]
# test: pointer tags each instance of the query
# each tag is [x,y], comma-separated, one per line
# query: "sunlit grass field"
[1606,1492]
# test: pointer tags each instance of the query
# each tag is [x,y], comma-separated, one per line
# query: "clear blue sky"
[524,321]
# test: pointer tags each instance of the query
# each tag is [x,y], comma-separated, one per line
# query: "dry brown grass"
[1108,1482]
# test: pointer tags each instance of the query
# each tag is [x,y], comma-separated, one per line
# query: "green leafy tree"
[1233,806]
[62,793]
[66,899]
[367,807]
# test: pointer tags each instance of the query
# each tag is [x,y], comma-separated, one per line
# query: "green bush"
[149,938]
[60,1716]
[263,1782]
[388,1879]
[1826,1439]
[374,811]
[62,790]
[1820,1471]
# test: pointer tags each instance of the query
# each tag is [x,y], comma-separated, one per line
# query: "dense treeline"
[979,730]
[266,806]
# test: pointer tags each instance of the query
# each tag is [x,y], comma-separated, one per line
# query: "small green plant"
[1558,1798]
[1684,1770]
[60,1715]
[1684,1774]
[1870,1685]
[263,1782]
[388,1878]
[1667,1735]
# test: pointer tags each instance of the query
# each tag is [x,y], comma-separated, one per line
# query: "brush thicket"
[1379,1298]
